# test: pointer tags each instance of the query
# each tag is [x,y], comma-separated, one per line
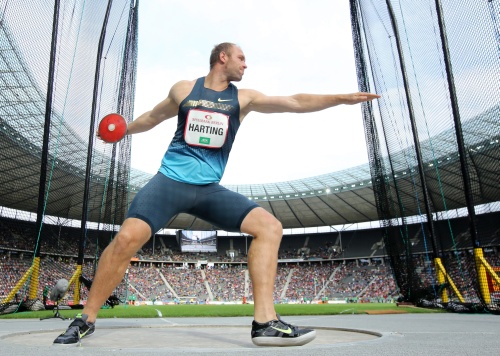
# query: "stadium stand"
[309,269]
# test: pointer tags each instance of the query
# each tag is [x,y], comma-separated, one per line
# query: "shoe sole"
[284,341]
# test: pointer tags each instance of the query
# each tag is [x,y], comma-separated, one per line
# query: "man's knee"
[131,237]
[125,241]
[274,226]
[259,222]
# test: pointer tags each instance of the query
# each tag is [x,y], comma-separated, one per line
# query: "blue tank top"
[207,124]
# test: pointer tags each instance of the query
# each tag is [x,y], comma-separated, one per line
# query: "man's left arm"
[252,100]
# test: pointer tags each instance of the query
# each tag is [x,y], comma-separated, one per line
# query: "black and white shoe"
[76,331]
[280,333]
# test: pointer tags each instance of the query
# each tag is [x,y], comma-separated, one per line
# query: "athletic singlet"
[206,128]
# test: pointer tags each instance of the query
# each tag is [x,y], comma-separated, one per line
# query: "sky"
[291,47]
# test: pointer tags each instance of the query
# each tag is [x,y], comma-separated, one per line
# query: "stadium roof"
[336,198]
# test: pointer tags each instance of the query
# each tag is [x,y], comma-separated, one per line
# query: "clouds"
[291,47]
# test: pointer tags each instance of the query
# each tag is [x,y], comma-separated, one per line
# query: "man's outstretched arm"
[251,100]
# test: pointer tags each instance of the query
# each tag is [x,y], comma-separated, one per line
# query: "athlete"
[209,110]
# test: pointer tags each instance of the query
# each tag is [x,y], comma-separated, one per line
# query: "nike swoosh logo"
[221,100]
[287,331]
[81,335]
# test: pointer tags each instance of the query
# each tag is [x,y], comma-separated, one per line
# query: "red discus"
[112,128]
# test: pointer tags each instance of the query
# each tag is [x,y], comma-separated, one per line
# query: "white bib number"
[206,128]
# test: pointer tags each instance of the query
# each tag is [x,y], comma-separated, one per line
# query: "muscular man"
[209,110]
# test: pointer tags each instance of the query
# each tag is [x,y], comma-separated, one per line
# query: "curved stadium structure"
[407,180]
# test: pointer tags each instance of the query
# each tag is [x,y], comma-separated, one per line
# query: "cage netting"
[63,66]
[433,142]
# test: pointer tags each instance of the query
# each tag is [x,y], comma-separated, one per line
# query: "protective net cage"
[433,141]
[63,66]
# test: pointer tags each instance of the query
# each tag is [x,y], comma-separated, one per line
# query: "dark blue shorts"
[162,198]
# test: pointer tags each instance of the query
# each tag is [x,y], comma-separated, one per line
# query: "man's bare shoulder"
[183,85]
[181,90]
[246,96]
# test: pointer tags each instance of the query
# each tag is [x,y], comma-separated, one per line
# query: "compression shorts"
[162,198]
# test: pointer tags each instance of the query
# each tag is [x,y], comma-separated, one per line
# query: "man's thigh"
[159,200]
[222,207]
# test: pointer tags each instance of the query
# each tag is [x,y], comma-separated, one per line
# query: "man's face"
[235,64]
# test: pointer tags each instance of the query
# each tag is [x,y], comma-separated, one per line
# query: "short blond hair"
[218,49]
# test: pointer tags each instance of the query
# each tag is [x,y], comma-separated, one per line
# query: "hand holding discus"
[112,128]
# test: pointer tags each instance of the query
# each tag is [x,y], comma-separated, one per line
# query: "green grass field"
[183,310]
